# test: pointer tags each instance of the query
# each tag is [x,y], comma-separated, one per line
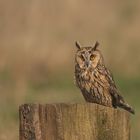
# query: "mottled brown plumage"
[95,80]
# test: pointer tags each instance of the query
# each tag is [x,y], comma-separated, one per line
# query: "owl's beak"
[87,63]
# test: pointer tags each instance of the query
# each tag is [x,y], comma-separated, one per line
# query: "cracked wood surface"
[85,121]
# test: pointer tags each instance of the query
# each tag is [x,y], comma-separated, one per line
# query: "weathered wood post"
[85,121]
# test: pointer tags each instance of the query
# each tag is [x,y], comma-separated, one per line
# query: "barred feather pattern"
[92,87]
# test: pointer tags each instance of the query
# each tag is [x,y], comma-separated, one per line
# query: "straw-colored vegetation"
[37,52]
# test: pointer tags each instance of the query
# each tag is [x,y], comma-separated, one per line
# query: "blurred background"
[37,47]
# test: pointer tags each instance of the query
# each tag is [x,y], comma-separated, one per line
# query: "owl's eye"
[82,57]
[92,57]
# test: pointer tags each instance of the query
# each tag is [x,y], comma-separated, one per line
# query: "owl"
[95,80]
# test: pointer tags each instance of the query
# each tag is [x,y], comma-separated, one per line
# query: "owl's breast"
[86,76]
[94,88]
[83,80]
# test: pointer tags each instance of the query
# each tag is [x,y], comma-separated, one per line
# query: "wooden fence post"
[85,121]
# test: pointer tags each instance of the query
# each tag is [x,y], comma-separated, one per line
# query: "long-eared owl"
[95,80]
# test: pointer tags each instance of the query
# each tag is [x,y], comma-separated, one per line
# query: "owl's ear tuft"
[95,46]
[77,45]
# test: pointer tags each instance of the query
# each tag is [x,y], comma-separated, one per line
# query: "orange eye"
[92,57]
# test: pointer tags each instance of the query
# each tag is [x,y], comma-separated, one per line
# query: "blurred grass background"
[37,52]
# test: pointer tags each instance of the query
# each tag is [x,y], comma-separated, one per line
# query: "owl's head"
[88,57]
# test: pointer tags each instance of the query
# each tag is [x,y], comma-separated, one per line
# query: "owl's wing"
[112,88]
[117,98]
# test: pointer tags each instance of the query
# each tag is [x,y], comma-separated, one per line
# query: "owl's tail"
[126,107]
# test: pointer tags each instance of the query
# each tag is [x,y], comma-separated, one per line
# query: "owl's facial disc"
[80,59]
[94,59]
[88,57]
